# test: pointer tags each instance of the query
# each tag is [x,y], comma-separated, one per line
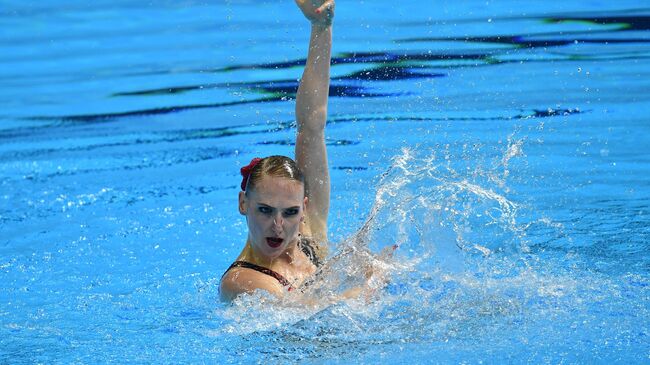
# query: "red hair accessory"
[246,172]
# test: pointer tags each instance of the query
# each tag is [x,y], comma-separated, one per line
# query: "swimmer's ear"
[242,203]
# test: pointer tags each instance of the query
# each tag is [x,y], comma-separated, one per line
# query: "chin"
[271,252]
[274,254]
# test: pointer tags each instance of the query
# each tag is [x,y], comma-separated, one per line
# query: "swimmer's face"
[274,210]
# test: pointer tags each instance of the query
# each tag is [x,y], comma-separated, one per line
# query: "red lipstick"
[274,241]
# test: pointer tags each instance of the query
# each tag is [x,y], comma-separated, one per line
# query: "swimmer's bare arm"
[241,281]
[311,115]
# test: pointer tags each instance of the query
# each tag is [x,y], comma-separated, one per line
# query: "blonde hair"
[274,166]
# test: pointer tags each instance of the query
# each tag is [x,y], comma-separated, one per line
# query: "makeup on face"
[274,242]
[274,214]
[280,222]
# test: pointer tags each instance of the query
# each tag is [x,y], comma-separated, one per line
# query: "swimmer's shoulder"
[240,280]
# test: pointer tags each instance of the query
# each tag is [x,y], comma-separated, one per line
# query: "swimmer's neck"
[286,258]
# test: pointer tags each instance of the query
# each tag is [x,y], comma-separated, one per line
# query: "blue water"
[503,146]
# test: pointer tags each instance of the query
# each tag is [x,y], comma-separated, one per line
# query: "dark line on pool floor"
[288,88]
[520,42]
[328,142]
[390,65]
[228,131]
[145,112]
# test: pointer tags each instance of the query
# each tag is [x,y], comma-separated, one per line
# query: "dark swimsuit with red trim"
[305,246]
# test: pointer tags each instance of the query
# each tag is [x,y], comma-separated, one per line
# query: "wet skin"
[274,210]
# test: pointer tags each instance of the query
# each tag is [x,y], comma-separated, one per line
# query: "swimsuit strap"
[308,249]
[305,246]
[263,270]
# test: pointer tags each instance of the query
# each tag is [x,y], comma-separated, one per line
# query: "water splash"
[442,259]
[422,201]
[428,223]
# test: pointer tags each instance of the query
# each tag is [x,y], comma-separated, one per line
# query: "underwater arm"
[311,115]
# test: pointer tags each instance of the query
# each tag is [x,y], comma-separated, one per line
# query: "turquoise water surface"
[501,145]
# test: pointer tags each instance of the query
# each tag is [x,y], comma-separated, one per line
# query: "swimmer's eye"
[265,210]
[290,212]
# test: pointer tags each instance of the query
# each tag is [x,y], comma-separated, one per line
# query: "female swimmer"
[286,203]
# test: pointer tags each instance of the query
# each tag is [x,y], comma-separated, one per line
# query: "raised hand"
[319,12]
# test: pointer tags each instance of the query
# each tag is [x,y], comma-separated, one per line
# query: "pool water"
[501,146]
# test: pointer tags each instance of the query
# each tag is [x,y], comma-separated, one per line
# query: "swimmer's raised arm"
[311,115]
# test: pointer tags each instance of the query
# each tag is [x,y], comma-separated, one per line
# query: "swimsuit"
[306,247]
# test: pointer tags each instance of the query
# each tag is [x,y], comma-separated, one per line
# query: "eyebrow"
[270,206]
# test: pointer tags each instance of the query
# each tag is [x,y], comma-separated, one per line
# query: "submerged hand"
[319,12]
